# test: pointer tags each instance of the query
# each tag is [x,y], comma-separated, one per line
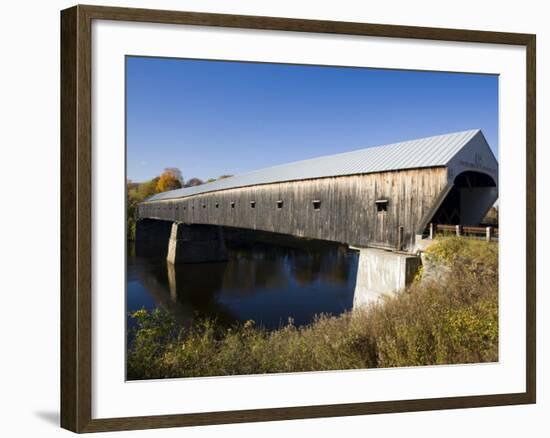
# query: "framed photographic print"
[270,218]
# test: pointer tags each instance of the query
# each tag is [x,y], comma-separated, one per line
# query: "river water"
[266,280]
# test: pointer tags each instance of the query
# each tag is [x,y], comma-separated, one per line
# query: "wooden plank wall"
[347,213]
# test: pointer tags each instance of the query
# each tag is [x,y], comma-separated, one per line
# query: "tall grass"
[448,316]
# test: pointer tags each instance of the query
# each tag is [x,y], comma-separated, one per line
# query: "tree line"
[170,179]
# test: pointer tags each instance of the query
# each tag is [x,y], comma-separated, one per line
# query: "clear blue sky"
[210,118]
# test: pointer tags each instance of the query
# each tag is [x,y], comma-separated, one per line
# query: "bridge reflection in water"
[267,278]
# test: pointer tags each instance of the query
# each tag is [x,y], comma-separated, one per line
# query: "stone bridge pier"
[180,242]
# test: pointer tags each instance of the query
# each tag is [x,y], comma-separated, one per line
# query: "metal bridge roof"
[424,152]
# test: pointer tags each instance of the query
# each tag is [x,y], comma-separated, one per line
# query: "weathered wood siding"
[347,214]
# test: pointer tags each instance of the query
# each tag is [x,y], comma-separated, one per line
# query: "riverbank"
[441,319]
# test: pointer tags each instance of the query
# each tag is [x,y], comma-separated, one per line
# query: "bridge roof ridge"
[432,151]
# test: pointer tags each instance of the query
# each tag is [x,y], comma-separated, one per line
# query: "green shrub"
[449,321]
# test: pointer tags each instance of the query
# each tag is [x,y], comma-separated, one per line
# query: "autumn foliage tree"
[176,172]
[170,179]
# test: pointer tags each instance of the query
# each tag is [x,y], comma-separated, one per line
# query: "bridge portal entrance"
[471,196]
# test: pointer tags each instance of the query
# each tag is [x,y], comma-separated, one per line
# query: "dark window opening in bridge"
[279,204]
[382,205]
[203,205]
[232,204]
[252,204]
[317,205]
[217,205]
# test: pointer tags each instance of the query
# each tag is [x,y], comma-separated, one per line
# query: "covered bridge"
[381,197]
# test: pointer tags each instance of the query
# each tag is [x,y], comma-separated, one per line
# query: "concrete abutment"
[381,272]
